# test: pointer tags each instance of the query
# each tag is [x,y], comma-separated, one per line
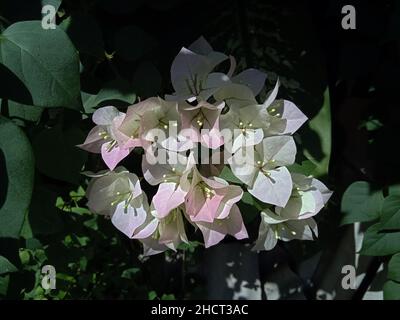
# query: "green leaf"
[228,175]
[321,126]
[4,282]
[6,266]
[249,207]
[170,296]
[132,43]
[394,190]
[44,217]
[360,203]
[390,219]
[50,74]
[372,124]
[24,256]
[378,243]
[24,112]
[57,155]
[130,273]
[191,246]
[391,290]
[16,174]
[117,90]
[394,268]
[26,231]
[152,295]
[306,167]
[78,194]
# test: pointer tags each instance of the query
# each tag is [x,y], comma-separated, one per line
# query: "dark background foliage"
[345,81]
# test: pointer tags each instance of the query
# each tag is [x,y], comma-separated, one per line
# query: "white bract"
[118,194]
[263,169]
[294,220]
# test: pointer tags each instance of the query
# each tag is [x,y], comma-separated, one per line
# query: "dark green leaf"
[378,243]
[390,219]
[129,273]
[360,203]
[391,290]
[44,217]
[152,295]
[4,282]
[16,172]
[394,268]
[228,175]
[24,112]
[306,167]
[321,126]
[249,207]
[117,90]
[57,155]
[6,266]
[394,190]
[33,54]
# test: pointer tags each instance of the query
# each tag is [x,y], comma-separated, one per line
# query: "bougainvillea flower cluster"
[211,122]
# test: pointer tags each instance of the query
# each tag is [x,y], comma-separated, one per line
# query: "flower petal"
[201,46]
[272,96]
[300,207]
[168,197]
[325,192]
[294,117]
[94,140]
[152,246]
[214,232]
[147,229]
[279,149]
[274,189]
[252,78]
[112,156]
[187,71]
[105,115]
[298,229]
[128,218]
[235,225]
[236,96]
[267,239]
